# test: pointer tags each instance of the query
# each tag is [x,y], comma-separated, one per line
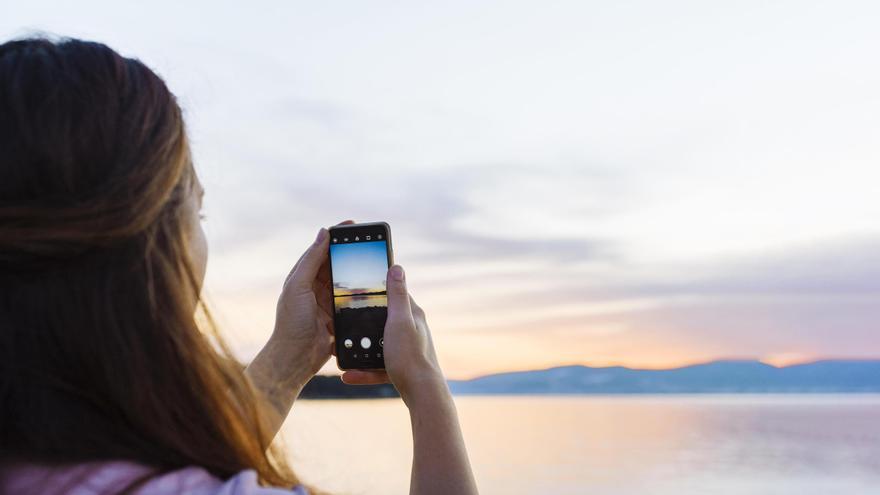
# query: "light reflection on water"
[343,302]
[623,445]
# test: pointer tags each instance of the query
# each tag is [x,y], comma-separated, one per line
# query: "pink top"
[110,477]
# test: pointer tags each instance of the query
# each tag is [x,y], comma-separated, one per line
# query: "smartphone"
[360,255]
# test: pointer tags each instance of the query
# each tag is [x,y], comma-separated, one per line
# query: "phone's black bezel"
[351,230]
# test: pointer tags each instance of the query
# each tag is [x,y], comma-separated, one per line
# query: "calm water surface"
[611,445]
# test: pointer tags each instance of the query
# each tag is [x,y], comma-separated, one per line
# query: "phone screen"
[360,255]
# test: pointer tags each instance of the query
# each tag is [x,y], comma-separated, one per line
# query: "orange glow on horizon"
[789,359]
[469,348]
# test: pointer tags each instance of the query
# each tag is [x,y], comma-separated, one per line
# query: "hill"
[715,377]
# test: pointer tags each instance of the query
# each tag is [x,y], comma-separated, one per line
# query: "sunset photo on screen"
[359,271]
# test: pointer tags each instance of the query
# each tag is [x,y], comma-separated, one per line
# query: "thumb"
[399,308]
[307,267]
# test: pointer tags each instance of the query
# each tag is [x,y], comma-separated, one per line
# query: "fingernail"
[322,234]
[397,272]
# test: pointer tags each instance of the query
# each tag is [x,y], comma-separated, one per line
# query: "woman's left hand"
[302,340]
[304,316]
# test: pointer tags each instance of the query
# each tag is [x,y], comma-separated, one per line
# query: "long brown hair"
[101,356]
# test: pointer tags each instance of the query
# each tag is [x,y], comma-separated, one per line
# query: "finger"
[399,308]
[323,295]
[414,306]
[328,325]
[323,275]
[295,265]
[358,377]
[293,270]
[323,285]
[304,274]
[323,318]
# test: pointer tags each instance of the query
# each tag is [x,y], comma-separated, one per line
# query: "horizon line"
[362,294]
[668,368]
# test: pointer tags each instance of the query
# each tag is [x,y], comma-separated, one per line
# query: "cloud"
[426,206]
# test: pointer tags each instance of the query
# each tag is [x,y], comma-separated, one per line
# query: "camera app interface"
[359,264]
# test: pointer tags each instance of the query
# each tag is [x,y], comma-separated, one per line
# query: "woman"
[107,383]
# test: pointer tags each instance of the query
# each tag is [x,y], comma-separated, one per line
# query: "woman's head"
[101,264]
[94,153]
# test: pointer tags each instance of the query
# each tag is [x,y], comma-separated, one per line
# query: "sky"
[648,184]
[359,265]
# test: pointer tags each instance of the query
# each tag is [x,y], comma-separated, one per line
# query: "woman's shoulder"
[108,477]
[197,481]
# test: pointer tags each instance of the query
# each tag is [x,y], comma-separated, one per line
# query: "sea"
[622,445]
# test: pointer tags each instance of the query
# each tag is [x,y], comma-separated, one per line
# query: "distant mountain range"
[723,377]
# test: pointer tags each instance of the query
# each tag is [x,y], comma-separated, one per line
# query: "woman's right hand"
[440,462]
[410,361]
